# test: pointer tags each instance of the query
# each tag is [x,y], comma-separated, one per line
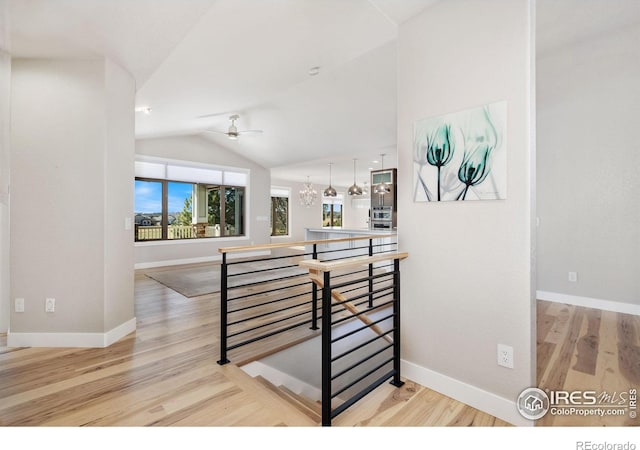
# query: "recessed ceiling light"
[314,71]
[144,109]
[375,161]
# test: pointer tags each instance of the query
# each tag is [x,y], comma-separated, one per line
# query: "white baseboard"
[588,302]
[82,340]
[203,259]
[493,404]
[117,333]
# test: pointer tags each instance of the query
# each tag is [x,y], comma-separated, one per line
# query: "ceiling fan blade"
[218,132]
[249,132]
[223,113]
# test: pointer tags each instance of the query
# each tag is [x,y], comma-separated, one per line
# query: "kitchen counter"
[384,239]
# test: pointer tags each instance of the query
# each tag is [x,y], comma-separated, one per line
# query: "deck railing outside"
[154,232]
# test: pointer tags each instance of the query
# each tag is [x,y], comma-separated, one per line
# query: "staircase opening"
[327,320]
[298,369]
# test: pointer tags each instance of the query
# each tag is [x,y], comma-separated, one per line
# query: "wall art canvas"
[461,156]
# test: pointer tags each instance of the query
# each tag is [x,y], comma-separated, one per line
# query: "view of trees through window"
[164,210]
[279,216]
[331,214]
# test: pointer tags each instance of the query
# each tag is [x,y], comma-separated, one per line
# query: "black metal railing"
[265,296]
[358,356]
[360,299]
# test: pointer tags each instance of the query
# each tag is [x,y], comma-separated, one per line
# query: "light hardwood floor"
[589,350]
[165,374]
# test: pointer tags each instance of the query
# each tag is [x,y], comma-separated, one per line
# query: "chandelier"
[308,195]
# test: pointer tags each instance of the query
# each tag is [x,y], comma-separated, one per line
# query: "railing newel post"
[223,311]
[326,350]
[370,275]
[396,324]
[314,295]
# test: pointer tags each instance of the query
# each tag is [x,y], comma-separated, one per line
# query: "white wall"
[198,149]
[5,95]
[119,188]
[466,285]
[71,156]
[589,189]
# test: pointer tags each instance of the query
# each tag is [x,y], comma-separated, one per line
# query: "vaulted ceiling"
[196,62]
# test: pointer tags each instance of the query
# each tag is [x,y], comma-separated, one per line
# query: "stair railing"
[375,361]
[265,296]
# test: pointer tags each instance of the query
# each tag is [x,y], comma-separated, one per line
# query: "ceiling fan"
[232,132]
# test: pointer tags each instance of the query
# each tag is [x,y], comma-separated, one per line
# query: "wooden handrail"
[328,266]
[247,248]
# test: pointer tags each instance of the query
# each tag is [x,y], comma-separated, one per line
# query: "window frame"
[165,211]
[272,223]
[332,201]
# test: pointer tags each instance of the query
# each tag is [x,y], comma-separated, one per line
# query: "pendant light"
[308,195]
[382,187]
[330,191]
[354,189]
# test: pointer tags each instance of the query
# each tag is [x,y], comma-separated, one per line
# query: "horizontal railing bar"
[238,333]
[328,260]
[366,311]
[357,397]
[361,280]
[269,290]
[349,273]
[267,335]
[246,248]
[255,283]
[268,313]
[362,361]
[362,286]
[366,294]
[348,249]
[361,303]
[257,305]
[271,258]
[361,328]
[364,344]
[383,244]
[338,311]
[261,270]
[360,378]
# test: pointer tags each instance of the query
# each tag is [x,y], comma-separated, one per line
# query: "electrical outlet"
[50,305]
[573,277]
[505,356]
[19,305]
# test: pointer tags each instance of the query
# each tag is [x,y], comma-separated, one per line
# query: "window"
[332,211]
[193,203]
[280,211]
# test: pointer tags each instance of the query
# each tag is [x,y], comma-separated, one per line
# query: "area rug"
[205,279]
[190,282]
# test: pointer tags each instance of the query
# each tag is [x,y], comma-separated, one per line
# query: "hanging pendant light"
[308,195]
[382,187]
[330,191]
[354,189]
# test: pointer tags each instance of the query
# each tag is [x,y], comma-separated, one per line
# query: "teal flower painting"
[461,156]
